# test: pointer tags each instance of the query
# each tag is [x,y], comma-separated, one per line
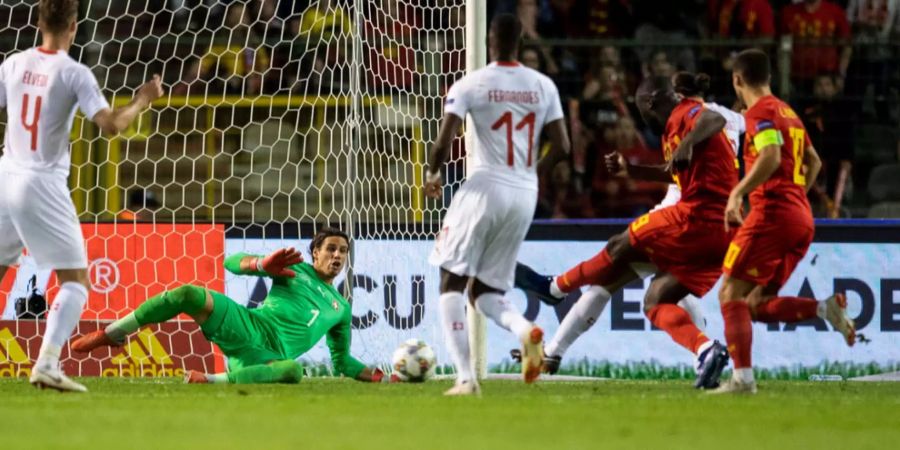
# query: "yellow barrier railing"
[99,169]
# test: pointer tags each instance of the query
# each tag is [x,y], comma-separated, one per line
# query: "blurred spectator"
[658,65]
[389,31]
[624,197]
[140,206]
[558,197]
[322,48]
[528,13]
[531,57]
[872,23]
[741,19]
[665,22]
[821,41]
[830,128]
[236,59]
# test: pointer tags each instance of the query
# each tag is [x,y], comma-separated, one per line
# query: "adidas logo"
[143,356]
[13,360]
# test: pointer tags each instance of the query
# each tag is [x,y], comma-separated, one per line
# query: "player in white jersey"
[40,89]
[509,104]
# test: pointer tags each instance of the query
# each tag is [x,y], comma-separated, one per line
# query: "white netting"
[279,117]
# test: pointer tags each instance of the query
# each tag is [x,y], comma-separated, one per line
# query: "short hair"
[754,67]
[655,86]
[507,32]
[325,233]
[56,15]
[690,84]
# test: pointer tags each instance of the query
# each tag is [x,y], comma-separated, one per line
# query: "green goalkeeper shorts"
[245,338]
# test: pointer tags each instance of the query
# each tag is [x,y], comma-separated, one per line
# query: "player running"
[685,242]
[781,166]
[40,89]
[261,344]
[488,217]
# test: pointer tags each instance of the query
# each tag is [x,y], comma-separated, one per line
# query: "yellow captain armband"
[766,138]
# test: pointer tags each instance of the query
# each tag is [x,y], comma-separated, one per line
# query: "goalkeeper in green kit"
[261,344]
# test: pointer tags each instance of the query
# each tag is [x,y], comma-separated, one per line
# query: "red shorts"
[766,249]
[677,243]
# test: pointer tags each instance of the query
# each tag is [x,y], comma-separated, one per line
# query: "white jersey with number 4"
[490,214]
[40,91]
[734,127]
[509,105]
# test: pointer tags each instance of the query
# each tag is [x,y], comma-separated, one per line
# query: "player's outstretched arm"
[338,341]
[440,151]
[560,146]
[273,265]
[708,125]
[114,121]
[618,166]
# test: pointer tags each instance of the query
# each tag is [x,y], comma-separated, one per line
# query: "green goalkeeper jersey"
[299,311]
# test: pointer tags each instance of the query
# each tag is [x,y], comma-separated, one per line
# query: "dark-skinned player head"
[504,36]
[655,100]
[752,70]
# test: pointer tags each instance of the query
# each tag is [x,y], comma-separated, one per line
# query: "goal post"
[476,58]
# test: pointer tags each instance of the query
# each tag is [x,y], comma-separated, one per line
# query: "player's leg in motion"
[492,304]
[196,302]
[607,272]
[453,321]
[738,333]
[660,306]
[767,307]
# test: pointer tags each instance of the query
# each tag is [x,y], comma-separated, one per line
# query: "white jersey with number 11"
[509,104]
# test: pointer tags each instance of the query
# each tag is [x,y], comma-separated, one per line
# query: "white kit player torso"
[509,105]
[40,91]
[734,127]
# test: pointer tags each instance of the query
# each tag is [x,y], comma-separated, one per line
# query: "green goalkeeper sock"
[160,308]
[277,372]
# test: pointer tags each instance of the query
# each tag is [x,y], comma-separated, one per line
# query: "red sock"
[787,309]
[599,271]
[677,322]
[738,332]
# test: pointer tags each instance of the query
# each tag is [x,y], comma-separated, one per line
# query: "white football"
[414,361]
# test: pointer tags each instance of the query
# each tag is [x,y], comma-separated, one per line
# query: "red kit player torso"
[687,239]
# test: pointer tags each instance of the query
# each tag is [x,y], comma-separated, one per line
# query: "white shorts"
[36,213]
[673,195]
[483,230]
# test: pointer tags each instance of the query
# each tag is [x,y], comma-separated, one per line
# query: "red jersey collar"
[508,63]
[47,52]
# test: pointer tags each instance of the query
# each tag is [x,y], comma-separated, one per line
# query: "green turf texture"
[339,413]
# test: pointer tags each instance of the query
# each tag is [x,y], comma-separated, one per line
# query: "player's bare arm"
[812,164]
[766,164]
[618,166]
[440,151]
[708,124]
[560,146]
[114,121]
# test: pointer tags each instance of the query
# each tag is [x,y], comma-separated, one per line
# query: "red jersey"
[815,34]
[772,122]
[747,18]
[706,183]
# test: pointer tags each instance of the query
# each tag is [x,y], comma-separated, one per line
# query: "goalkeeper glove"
[276,263]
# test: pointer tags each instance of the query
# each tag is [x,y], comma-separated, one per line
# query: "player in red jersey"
[781,165]
[684,242]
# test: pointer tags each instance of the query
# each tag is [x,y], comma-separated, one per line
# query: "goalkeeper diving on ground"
[261,344]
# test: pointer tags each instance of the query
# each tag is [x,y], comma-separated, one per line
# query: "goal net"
[279,118]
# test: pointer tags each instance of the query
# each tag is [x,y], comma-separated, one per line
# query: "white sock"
[822,309]
[580,318]
[61,321]
[691,304]
[453,320]
[555,290]
[744,375]
[217,377]
[503,313]
[121,328]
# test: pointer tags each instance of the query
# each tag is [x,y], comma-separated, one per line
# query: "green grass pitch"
[336,413]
